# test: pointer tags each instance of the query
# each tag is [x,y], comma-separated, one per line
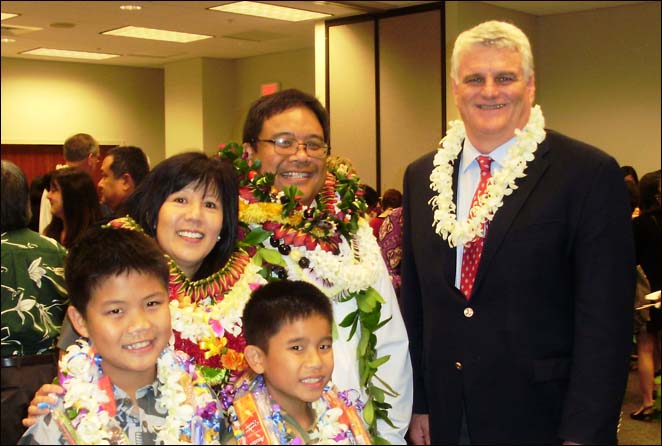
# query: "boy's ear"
[78,321]
[255,358]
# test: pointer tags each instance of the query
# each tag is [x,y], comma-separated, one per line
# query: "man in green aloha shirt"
[33,303]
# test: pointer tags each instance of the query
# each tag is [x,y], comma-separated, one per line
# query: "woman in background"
[74,205]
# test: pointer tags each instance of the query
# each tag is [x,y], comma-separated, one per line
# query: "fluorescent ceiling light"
[6,15]
[8,40]
[131,7]
[68,54]
[270,11]
[155,34]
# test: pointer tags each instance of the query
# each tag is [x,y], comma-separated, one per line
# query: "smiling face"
[299,169]
[298,364]
[127,320]
[492,95]
[189,224]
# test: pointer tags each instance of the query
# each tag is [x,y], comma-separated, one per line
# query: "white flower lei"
[179,387]
[354,269]
[192,320]
[328,426]
[500,184]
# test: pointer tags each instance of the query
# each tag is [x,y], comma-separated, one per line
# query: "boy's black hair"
[103,252]
[279,303]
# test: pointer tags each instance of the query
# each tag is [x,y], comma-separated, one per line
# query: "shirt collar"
[498,155]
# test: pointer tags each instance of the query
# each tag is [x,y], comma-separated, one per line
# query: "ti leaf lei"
[280,217]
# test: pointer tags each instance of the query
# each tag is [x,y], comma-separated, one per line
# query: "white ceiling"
[76,25]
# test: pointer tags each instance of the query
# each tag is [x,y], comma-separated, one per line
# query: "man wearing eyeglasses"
[291,142]
[288,133]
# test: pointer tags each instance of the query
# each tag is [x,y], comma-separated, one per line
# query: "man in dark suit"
[518,266]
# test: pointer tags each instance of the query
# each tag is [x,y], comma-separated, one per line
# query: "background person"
[391,199]
[518,302]
[81,152]
[74,205]
[390,243]
[630,175]
[122,170]
[34,300]
[648,241]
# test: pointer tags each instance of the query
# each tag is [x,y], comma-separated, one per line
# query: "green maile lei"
[280,217]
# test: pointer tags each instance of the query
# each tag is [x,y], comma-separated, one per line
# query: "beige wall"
[408,109]
[598,79]
[184,126]
[352,97]
[293,69]
[46,102]
[195,104]
[410,91]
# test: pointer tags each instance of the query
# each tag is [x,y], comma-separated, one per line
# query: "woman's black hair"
[174,174]
[80,205]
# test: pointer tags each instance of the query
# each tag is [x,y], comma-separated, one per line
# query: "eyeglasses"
[288,145]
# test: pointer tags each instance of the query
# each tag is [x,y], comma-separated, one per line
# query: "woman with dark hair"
[74,205]
[189,204]
[169,191]
[630,175]
[33,303]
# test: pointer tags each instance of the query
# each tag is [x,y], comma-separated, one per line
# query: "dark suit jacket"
[540,352]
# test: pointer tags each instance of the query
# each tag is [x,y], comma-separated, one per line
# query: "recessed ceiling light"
[68,54]
[131,7]
[6,15]
[270,11]
[155,34]
[8,40]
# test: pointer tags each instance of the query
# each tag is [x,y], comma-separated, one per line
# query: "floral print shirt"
[137,422]
[390,242]
[34,298]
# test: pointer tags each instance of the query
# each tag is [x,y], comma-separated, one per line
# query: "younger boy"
[123,383]
[288,398]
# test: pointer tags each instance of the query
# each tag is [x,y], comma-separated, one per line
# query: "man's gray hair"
[493,34]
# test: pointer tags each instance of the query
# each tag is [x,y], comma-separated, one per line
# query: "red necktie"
[473,250]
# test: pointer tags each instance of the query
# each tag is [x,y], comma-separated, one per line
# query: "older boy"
[289,346]
[118,379]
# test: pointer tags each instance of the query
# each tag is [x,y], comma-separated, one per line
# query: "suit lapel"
[512,204]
